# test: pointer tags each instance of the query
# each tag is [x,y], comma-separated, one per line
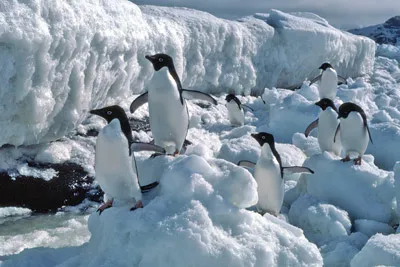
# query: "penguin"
[354,131]
[328,81]
[235,110]
[113,164]
[326,123]
[269,174]
[169,116]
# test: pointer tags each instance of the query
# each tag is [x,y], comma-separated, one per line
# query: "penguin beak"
[339,116]
[149,58]
[96,112]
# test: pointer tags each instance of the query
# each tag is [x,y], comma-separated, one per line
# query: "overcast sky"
[340,13]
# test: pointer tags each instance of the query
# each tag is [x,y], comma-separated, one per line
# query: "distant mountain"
[386,33]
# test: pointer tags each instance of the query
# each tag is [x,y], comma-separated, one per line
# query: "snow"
[365,192]
[61,60]
[397,185]
[320,221]
[379,250]
[370,228]
[14,211]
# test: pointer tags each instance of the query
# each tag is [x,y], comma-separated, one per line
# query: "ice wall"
[58,59]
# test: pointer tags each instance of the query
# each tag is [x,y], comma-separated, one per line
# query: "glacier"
[58,59]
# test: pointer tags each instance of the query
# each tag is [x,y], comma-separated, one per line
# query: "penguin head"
[325,65]
[110,113]
[263,138]
[160,60]
[346,108]
[230,97]
[324,103]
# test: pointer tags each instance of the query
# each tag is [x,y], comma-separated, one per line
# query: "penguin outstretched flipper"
[138,102]
[341,80]
[311,127]
[297,169]
[192,94]
[246,163]
[316,79]
[136,147]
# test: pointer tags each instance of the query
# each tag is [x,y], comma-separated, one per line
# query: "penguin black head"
[325,103]
[161,60]
[115,112]
[263,138]
[110,113]
[230,97]
[346,108]
[325,66]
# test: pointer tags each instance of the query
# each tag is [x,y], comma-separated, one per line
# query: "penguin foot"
[357,161]
[176,153]
[138,205]
[106,205]
[347,158]
[154,155]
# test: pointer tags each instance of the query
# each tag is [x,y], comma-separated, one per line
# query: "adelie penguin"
[113,163]
[269,174]
[326,123]
[235,110]
[328,81]
[169,117]
[353,131]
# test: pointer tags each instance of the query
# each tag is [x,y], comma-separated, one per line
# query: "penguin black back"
[324,103]
[116,112]
[268,138]
[231,97]
[325,65]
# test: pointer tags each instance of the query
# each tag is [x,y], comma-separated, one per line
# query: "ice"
[397,185]
[321,222]
[60,60]
[13,211]
[370,228]
[379,250]
[365,192]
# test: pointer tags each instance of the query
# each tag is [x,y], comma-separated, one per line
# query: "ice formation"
[58,60]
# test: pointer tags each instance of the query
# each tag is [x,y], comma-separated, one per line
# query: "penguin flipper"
[311,127]
[369,133]
[316,79]
[297,169]
[136,147]
[336,132]
[341,80]
[246,163]
[147,188]
[191,94]
[138,102]
[246,106]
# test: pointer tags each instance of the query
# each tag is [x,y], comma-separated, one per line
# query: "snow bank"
[379,250]
[192,218]
[58,60]
[365,191]
[321,222]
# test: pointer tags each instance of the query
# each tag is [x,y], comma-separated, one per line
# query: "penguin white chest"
[327,124]
[270,183]
[353,134]
[328,84]
[236,115]
[169,119]
[113,164]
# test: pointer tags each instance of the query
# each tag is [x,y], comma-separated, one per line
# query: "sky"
[344,14]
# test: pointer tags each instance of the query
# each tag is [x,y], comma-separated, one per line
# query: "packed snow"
[70,57]
[58,60]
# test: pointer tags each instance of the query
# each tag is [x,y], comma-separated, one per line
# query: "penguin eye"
[263,137]
[109,112]
[160,59]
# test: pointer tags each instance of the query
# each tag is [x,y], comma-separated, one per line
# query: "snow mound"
[194,220]
[14,211]
[320,222]
[365,192]
[379,250]
[60,60]
[370,228]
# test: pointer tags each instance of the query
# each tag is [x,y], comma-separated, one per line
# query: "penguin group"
[344,130]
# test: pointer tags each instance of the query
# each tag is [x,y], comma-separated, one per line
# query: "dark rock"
[71,186]
[140,125]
